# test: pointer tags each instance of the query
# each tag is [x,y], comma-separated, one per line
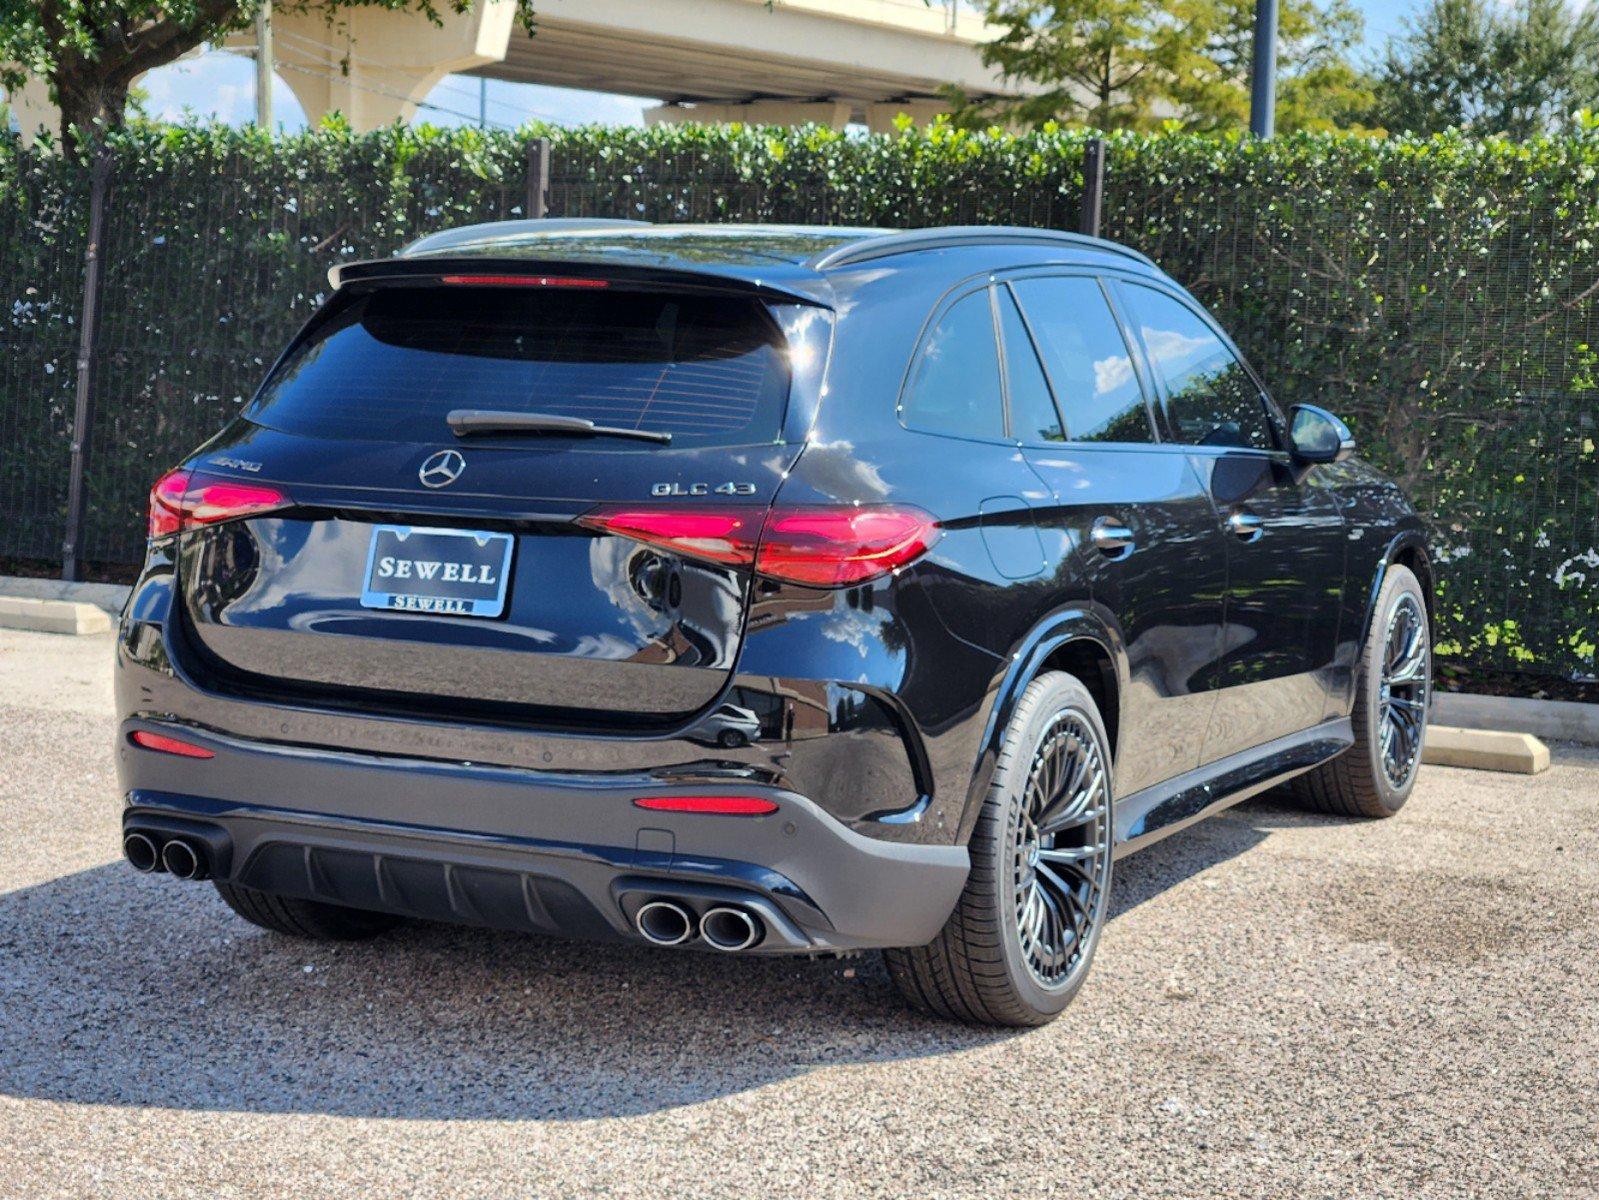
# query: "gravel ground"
[1283,1006]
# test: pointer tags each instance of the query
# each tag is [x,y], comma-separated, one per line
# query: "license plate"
[453,572]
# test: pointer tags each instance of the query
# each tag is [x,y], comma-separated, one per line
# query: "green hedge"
[1440,293]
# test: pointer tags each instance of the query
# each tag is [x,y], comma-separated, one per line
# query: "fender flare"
[1406,539]
[1080,621]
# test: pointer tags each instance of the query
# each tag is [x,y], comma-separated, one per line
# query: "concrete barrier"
[1557,720]
[1485,750]
[52,616]
[108,597]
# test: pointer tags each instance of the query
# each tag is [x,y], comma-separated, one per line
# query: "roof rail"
[493,231]
[941,237]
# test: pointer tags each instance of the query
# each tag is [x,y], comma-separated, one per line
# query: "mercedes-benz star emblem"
[442,469]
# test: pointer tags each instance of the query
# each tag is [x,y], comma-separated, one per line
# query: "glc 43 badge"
[702,489]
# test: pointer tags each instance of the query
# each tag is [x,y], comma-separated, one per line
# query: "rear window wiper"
[471,422]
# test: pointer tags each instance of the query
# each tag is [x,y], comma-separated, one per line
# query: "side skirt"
[1148,816]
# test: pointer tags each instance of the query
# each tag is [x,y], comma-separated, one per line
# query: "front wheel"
[1019,943]
[1375,776]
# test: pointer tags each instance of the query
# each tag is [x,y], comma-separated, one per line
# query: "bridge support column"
[375,65]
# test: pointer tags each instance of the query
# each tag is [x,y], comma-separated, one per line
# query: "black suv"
[776,590]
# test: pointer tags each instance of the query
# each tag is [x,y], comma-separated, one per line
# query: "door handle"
[1111,537]
[1246,526]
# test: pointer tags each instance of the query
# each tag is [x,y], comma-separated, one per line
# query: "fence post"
[538,178]
[1093,186]
[88,328]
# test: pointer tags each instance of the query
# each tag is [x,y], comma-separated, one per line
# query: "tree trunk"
[94,105]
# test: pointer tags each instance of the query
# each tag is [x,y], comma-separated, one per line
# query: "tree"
[1136,63]
[1475,66]
[1098,61]
[1318,85]
[91,51]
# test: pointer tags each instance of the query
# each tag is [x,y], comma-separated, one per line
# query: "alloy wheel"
[1062,850]
[1403,693]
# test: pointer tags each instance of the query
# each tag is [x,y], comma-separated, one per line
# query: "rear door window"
[1087,358]
[391,364]
[955,385]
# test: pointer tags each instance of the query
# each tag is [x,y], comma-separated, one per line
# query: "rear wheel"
[1375,776]
[1019,943]
[305,918]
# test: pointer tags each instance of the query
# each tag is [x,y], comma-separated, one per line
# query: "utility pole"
[263,65]
[88,337]
[1263,71]
[482,101]
[1093,186]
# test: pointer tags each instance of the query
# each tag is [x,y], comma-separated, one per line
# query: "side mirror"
[1318,436]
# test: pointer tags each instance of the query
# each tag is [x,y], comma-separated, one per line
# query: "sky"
[222,85]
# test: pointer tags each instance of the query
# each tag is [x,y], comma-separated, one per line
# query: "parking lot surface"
[1283,1006]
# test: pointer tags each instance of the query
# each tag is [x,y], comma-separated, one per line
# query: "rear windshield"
[391,364]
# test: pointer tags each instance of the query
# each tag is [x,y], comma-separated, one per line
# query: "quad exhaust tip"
[664,922]
[141,852]
[182,861]
[729,929]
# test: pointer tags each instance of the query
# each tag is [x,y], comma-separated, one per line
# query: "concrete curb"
[1557,720]
[108,597]
[1485,750]
[52,616]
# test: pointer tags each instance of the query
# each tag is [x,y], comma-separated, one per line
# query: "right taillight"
[837,547]
[813,545]
[183,499]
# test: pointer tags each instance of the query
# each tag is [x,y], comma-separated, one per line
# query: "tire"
[981,968]
[310,919]
[1361,782]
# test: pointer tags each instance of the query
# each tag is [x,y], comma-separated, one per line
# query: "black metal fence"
[1446,307]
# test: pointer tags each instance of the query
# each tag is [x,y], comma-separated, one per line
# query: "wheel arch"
[1085,642]
[1406,549]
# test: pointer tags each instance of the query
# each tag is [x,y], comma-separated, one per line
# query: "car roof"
[794,259]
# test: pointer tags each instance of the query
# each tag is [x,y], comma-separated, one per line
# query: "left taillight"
[184,499]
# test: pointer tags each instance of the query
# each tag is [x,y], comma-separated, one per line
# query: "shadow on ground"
[131,990]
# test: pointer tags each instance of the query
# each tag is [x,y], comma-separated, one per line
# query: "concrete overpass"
[785,62]
[795,61]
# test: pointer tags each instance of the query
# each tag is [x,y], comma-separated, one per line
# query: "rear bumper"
[543,851]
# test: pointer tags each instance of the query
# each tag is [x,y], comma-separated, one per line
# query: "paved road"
[1284,1006]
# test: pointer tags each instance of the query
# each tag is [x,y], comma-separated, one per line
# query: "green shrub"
[1440,293]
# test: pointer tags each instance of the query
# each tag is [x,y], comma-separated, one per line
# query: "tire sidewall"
[1044,699]
[1400,581]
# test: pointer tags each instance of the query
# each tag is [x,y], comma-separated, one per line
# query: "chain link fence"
[1448,313]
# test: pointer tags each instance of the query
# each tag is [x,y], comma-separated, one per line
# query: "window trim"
[1141,373]
[1168,430]
[1004,365]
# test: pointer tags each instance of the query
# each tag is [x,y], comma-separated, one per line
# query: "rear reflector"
[819,547]
[182,500]
[726,806]
[555,281]
[169,745]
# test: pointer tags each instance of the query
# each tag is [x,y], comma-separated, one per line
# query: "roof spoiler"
[555,272]
[494,231]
